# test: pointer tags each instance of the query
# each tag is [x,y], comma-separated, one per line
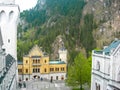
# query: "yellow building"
[37,65]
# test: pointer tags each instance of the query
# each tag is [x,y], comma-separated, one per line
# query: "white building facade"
[8,75]
[9,13]
[63,54]
[106,68]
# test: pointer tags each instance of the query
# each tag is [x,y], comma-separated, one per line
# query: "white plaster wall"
[96,79]
[92,83]
[93,62]
[115,66]
[104,63]
[8,25]
[63,55]
[20,76]
[107,65]
[7,1]
[100,60]
[26,76]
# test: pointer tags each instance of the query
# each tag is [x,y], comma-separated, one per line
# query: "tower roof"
[1,40]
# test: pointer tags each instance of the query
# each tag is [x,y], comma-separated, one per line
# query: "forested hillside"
[51,18]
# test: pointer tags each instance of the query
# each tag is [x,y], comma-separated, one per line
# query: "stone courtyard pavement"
[45,85]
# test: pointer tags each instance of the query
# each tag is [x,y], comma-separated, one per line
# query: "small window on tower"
[8,40]
[45,61]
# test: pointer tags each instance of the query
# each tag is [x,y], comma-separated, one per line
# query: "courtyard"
[44,85]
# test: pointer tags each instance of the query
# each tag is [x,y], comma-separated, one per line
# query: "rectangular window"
[50,69]
[38,61]
[38,70]
[33,61]
[26,70]
[45,70]
[33,70]
[19,70]
[26,61]
[62,69]
[56,69]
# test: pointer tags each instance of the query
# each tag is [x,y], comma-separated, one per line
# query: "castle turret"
[63,54]
[9,13]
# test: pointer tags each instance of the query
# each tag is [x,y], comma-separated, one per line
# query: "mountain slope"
[52,18]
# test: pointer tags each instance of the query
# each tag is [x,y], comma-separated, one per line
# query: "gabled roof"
[35,50]
[1,40]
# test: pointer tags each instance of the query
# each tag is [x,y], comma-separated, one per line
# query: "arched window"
[2,16]
[97,86]
[98,65]
[11,15]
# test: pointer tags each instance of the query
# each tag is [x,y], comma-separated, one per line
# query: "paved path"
[45,85]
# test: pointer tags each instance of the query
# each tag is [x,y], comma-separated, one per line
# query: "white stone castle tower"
[9,13]
[63,54]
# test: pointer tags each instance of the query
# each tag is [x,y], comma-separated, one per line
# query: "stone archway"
[35,76]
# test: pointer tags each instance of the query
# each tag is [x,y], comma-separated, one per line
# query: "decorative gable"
[35,51]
